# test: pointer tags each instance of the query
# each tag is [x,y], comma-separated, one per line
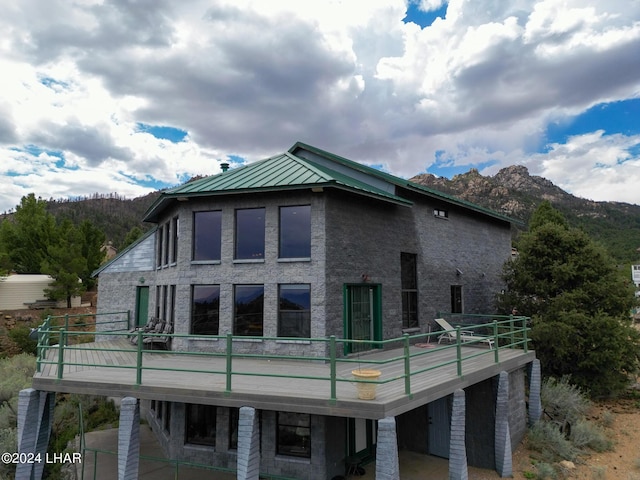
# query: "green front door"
[362,316]
[142,305]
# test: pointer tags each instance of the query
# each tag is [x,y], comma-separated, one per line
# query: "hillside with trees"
[512,191]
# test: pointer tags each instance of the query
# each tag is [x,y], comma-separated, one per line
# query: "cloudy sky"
[130,96]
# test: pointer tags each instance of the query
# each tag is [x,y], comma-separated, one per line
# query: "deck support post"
[129,439]
[35,416]
[457,447]
[504,461]
[387,462]
[248,467]
[535,385]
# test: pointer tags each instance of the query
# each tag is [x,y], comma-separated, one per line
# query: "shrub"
[547,439]
[8,443]
[20,336]
[585,434]
[563,402]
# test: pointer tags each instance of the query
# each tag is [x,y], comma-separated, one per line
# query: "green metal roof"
[280,172]
[400,182]
[292,171]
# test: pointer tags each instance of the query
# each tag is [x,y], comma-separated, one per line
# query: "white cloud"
[249,78]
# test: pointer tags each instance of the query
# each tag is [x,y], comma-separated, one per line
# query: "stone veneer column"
[535,384]
[35,415]
[504,462]
[248,445]
[457,447]
[129,439]
[387,463]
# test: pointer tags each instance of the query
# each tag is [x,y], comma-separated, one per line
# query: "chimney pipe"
[224,167]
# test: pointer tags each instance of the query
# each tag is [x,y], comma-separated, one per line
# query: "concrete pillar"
[457,447]
[248,445]
[129,439]
[535,384]
[35,416]
[504,461]
[46,406]
[387,462]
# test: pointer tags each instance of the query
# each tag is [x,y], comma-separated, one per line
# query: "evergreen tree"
[134,234]
[26,236]
[65,263]
[92,241]
[579,303]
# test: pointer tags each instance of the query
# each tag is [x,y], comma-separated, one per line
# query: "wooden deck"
[109,368]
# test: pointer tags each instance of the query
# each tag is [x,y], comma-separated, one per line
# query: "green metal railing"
[506,333]
[48,327]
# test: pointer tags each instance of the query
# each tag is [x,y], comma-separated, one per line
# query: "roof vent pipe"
[224,167]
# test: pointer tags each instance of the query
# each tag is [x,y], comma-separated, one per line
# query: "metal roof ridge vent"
[224,166]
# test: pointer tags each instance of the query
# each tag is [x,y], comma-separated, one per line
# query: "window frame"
[286,232]
[207,412]
[193,323]
[236,313]
[214,256]
[244,235]
[306,312]
[305,450]
[409,290]
[175,224]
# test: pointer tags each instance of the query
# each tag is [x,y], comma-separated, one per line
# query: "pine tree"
[579,303]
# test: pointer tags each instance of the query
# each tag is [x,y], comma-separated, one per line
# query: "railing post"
[139,358]
[229,358]
[512,330]
[60,353]
[459,350]
[407,366]
[128,319]
[66,326]
[496,344]
[332,366]
[524,334]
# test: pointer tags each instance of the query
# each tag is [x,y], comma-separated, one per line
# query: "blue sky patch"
[422,18]
[616,117]
[443,167]
[172,134]
[53,83]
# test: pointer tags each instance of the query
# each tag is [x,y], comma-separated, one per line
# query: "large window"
[294,434]
[174,242]
[295,232]
[200,424]
[159,245]
[409,281]
[248,311]
[250,224]
[205,310]
[207,235]
[294,311]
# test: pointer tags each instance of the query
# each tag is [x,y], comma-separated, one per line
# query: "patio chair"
[154,325]
[163,341]
[451,334]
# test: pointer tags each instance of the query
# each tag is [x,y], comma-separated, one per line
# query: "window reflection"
[250,224]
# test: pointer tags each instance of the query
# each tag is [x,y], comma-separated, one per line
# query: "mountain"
[516,193]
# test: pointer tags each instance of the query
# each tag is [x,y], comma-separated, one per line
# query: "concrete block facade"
[350,240]
[357,238]
[327,440]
